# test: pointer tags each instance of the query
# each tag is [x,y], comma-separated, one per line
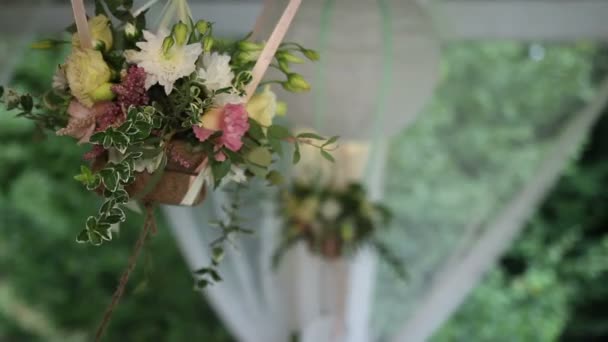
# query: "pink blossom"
[112,115]
[234,125]
[81,123]
[202,133]
[233,122]
[179,158]
[132,89]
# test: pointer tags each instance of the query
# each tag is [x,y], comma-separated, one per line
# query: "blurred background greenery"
[550,286]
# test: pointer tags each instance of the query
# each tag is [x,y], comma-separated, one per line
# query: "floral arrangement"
[164,111]
[333,222]
[167,112]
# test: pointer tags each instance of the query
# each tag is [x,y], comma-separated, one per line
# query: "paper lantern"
[379,65]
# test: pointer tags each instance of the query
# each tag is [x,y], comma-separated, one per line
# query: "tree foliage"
[551,284]
[68,285]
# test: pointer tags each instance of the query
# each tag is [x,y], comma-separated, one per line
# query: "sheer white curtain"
[366,46]
[379,65]
[317,299]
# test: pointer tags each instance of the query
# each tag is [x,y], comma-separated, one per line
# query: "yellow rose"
[211,118]
[86,72]
[100,33]
[307,209]
[263,106]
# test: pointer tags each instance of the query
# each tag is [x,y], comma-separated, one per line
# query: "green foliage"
[67,285]
[229,226]
[494,115]
[551,284]
[344,219]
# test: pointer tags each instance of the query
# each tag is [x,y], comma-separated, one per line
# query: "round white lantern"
[379,65]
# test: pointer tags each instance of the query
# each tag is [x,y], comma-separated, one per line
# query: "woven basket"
[175,180]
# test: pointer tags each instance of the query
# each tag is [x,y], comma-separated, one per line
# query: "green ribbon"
[386,85]
[321,71]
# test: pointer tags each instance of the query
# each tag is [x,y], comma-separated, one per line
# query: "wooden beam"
[527,20]
[231,18]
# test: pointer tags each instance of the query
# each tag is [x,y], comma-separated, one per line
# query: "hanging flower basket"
[171,184]
[168,112]
[334,223]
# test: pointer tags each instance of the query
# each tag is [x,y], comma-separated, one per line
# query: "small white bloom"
[330,209]
[149,165]
[60,80]
[237,174]
[140,165]
[223,99]
[164,68]
[216,72]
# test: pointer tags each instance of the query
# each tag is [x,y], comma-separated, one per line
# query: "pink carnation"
[234,125]
[233,122]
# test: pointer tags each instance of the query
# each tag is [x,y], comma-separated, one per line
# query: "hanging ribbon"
[149,227]
[173,7]
[196,184]
[271,47]
[82,24]
[384,88]
[321,72]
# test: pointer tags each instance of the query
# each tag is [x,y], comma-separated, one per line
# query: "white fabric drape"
[317,299]
[370,88]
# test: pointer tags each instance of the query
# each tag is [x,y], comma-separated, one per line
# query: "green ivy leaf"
[110,179]
[95,238]
[121,196]
[107,206]
[310,136]
[331,141]
[275,178]
[278,132]
[120,141]
[260,156]
[276,146]
[86,175]
[217,254]
[94,183]
[117,214]
[214,275]
[105,234]
[220,170]
[327,156]
[83,236]
[296,154]
[12,100]
[258,171]
[255,130]
[202,271]
[202,283]
[91,223]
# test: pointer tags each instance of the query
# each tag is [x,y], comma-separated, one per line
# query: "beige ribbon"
[82,25]
[272,45]
[196,184]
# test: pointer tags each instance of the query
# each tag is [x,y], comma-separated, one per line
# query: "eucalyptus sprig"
[48,112]
[229,226]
